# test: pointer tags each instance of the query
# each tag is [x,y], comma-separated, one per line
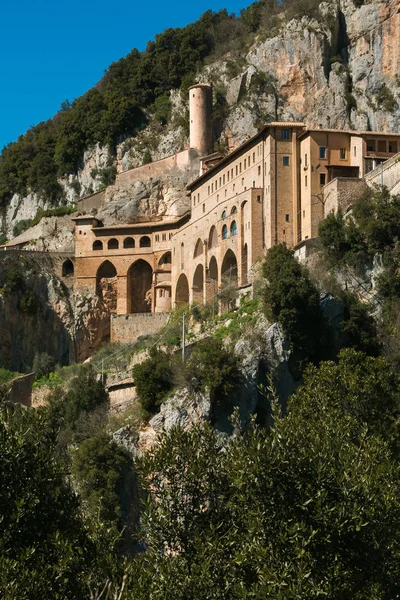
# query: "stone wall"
[341,192]
[127,328]
[90,202]
[19,390]
[154,169]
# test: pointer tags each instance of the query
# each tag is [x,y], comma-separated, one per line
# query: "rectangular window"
[240,167]
[322,152]
[231,173]
[212,188]
[198,197]
[286,161]
[242,180]
[208,190]
[245,162]
[371,146]
[216,185]
[259,199]
[220,182]
[259,170]
[237,168]
[342,153]
[306,181]
[157,237]
[285,135]
[392,147]
[204,208]
[217,197]
[306,160]
[355,150]
[228,176]
[233,187]
[287,218]
[254,157]
[223,179]
[254,184]
[382,146]
[170,236]
[322,178]
[164,237]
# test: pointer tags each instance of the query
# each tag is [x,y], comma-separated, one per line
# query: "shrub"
[43,364]
[358,326]
[162,109]
[147,157]
[385,99]
[153,379]
[213,368]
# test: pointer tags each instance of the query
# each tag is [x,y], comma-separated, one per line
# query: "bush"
[98,468]
[212,368]
[43,364]
[147,157]
[385,99]
[153,380]
[358,326]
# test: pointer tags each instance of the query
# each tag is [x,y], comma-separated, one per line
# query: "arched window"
[129,242]
[67,268]
[165,259]
[233,228]
[97,245]
[225,232]
[234,210]
[113,244]
[223,216]
[145,242]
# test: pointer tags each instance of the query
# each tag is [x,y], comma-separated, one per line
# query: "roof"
[350,132]
[240,149]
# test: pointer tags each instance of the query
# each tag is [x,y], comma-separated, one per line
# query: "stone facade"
[127,328]
[271,189]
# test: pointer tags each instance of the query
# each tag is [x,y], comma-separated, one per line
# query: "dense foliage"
[153,379]
[307,510]
[291,298]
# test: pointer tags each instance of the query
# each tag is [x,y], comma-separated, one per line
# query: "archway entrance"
[106,285]
[198,284]
[68,268]
[229,281]
[139,283]
[182,291]
[229,270]
[212,280]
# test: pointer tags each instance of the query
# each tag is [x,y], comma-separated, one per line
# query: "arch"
[182,290]
[245,267]
[113,244]
[97,245]
[106,284]
[198,250]
[166,259]
[212,281]
[234,210]
[139,282]
[198,284]
[212,238]
[67,268]
[229,269]
[129,242]
[224,232]
[223,216]
[233,228]
[145,242]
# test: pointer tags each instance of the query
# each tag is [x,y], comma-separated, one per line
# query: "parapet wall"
[146,172]
[127,328]
[388,173]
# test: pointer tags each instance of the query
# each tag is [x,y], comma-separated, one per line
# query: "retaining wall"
[127,328]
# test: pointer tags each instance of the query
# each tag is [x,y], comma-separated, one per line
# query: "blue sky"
[51,51]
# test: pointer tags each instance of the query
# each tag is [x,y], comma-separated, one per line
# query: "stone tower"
[200,107]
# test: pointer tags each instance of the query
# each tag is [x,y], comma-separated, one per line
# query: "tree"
[292,299]
[45,549]
[153,379]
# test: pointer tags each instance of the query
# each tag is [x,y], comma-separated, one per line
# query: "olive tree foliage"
[309,509]
[45,549]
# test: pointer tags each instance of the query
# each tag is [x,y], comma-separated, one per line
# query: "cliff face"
[338,70]
[40,313]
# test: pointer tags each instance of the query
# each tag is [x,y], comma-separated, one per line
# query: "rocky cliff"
[40,313]
[338,69]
